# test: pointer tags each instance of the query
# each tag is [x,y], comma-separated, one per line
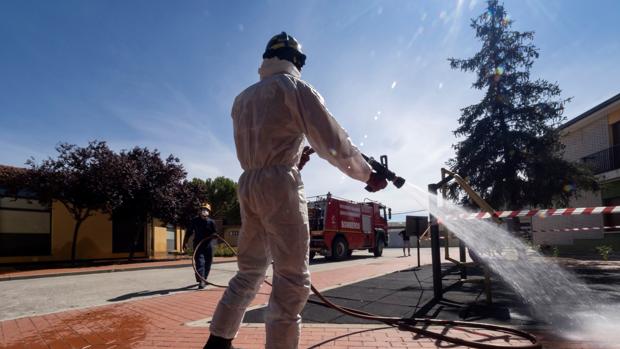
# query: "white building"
[592,138]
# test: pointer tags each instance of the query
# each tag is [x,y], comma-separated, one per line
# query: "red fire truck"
[339,226]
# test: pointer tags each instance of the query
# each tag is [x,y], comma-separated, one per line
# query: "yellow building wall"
[160,235]
[231,235]
[160,241]
[614,116]
[94,239]
[181,236]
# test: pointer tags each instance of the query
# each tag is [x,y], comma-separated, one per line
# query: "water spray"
[555,296]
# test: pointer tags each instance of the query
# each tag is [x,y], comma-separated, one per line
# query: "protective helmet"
[206,206]
[285,47]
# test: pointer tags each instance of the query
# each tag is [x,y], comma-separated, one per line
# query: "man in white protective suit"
[270,120]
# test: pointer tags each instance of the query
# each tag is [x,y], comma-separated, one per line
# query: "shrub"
[604,251]
[222,250]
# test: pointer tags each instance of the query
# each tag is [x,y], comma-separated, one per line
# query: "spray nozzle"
[381,168]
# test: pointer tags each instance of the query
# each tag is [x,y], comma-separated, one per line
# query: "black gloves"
[305,157]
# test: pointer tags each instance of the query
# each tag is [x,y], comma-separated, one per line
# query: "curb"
[112,270]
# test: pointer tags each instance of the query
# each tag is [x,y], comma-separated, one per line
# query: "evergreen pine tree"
[510,151]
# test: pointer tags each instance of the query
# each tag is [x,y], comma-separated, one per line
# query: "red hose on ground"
[404,324]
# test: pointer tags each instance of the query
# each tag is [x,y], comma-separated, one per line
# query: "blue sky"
[163,74]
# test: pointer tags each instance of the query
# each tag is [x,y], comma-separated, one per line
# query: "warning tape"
[540,213]
[615,227]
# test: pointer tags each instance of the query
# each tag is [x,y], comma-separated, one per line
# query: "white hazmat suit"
[270,121]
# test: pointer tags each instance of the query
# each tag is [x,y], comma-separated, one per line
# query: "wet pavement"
[389,285]
[409,294]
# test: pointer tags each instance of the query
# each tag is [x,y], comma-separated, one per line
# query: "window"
[171,237]
[25,228]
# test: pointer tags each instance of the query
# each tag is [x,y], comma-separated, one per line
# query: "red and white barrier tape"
[541,213]
[614,227]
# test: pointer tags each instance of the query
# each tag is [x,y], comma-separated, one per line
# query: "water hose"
[208,240]
[403,324]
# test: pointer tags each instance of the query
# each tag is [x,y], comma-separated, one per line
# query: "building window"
[124,232]
[171,237]
[25,228]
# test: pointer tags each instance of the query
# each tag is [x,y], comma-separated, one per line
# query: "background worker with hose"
[200,228]
[270,120]
[403,234]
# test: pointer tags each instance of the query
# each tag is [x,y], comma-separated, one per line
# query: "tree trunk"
[136,237]
[76,229]
[132,247]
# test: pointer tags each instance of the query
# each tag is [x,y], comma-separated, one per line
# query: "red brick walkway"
[164,322]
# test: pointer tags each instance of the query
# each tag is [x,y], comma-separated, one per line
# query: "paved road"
[51,294]
[157,322]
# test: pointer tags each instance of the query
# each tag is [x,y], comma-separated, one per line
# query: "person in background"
[200,228]
[406,243]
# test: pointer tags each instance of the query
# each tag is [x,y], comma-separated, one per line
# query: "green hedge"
[222,250]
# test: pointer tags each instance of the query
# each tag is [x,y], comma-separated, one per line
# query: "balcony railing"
[604,160]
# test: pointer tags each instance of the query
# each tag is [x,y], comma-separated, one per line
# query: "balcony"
[604,160]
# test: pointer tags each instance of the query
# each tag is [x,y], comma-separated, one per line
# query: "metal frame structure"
[446,177]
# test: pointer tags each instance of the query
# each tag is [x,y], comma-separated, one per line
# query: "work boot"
[215,342]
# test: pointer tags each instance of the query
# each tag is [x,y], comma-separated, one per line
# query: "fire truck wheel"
[340,248]
[312,254]
[378,251]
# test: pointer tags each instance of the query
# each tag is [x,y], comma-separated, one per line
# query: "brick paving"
[179,321]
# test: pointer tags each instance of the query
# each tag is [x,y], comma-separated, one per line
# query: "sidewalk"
[14,274]
[181,321]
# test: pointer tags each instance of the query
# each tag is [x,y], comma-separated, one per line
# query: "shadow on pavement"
[150,293]
[409,294]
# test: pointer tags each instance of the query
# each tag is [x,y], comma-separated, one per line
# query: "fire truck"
[339,226]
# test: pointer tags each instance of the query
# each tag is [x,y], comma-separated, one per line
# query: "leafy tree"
[149,188]
[191,195]
[79,178]
[137,185]
[221,193]
[233,214]
[12,180]
[511,153]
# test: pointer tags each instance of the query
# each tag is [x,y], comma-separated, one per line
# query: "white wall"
[586,140]
[558,222]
